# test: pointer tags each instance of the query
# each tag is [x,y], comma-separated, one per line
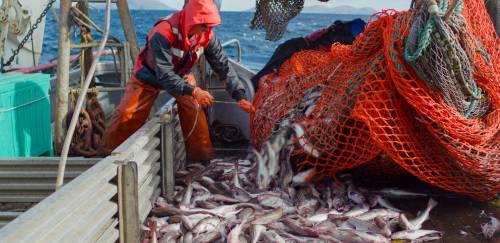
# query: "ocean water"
[255,49]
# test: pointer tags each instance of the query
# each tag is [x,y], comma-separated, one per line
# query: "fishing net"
[274,15]
[418,86]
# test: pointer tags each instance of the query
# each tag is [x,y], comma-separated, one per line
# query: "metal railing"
[107,202]
[238,47]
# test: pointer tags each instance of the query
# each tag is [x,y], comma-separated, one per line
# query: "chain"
[28,35]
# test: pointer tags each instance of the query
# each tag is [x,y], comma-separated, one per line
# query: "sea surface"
[235,25]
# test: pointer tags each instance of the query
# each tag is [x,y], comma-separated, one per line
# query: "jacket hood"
[200,12]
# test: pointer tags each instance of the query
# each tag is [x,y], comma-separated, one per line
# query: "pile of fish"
[226,201]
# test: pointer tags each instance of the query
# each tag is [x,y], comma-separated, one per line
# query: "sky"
[238,5]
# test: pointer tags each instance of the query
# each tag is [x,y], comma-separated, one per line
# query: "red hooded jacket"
[170,53]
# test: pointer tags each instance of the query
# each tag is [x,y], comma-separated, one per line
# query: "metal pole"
[128,28]
[62,85]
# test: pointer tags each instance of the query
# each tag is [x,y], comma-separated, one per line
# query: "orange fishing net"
[356,102]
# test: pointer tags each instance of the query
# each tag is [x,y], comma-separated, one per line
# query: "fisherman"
[173,47]
[339,31]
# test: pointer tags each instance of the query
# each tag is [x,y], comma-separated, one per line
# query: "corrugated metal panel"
[80,210]
[110,235]
[33,179]
[142,148]
[6,217]
[84,210]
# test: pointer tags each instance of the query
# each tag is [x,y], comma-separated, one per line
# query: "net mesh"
[357,102]
[274,15]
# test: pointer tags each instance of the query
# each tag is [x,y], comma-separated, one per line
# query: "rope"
[424,37]
[195,120]
[440,59]
[25,104]
[81,97]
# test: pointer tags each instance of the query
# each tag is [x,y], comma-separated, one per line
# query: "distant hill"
[135,4]
[149,4]
[332,10]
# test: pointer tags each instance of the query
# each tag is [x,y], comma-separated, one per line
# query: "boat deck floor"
[460,218]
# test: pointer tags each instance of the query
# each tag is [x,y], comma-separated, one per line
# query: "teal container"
[25,115]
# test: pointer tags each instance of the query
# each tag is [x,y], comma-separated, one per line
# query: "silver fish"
[187,237]
[420,219]
[206,225]
[247,213]
[318,218]
[269,218]
[385,203]
[186,222]
[491,228]
[161,202]
[426,238]
[212,236]
[234,235]
[197,186]
[186,200]
[206,204]
[196,218]
[257,230]
[222,198]
[272,164]
[236,180]
[361,225]
[170,232]
[286,172]
[301,178]
[307,207]
[346,236]
[300,239]
[325,227]
[378,212]
[355,195]
[272,236]
[263,179]
[295,228]
[369,236]
[384,226]
[357,210]
[413,234]
[394,192]
[271,201]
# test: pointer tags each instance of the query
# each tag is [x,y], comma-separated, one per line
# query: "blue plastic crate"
[25,115]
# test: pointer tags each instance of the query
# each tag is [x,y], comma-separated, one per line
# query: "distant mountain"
[149,4]
[339,10]
[252,9]
[135,4]
[332,10]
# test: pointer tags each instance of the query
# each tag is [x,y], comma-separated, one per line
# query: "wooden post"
[128,28]
[167,161]
[128,203]
[62,85]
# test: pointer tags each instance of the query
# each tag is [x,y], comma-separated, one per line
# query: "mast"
[62,85]
[128,28]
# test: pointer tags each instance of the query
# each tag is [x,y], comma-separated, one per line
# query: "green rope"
[474,101]
[424,37]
